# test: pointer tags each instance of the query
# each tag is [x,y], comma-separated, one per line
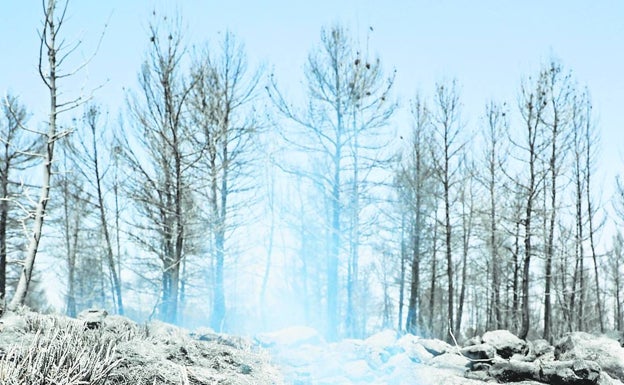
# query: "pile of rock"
[497,356]
[576,359]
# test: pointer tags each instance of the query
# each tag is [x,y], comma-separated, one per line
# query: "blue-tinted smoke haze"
[488,46]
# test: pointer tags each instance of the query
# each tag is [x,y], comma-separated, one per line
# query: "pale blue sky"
[487,45]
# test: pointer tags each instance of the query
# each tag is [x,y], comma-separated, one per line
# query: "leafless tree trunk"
[413,182]
[49,50]
[434,274]
[447,128]
[590,138]
[494,129]
[616,262]
[467,217]
[558,89]
[532,104]
[349,99]
[91,120]
[159,165]
[221,108]
[15,155]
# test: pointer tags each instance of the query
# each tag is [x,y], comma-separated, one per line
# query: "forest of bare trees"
[218,196]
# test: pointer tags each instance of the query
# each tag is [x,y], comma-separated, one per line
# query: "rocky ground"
[97,349]
[497,356]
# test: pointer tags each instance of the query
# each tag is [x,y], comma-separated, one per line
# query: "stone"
[454,363]
[574,372]
[605,351]
[578,372]
[398,361]
[479,352]
[476,340]
[436,347]
[414,349]
[93,318]
[505,343]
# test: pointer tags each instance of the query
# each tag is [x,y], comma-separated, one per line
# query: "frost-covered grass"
[37,350]
[52,350]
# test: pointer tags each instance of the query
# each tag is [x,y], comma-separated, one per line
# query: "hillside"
[112,350]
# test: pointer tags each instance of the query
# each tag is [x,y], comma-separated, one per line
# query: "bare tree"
[16,154]
[468,211]
[584,139]
[159,165]
[52,55]
[221,108]
[88,161]
[447,151]
[74,213]
[616,262]
[414,185]
[532,104]
[348,100]
[494,131]
[558,91]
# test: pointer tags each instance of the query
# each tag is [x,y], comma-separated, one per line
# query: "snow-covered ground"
[98,349]
[387,358]
[305,358]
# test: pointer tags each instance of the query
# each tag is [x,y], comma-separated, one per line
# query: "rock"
[542,347]
[514,371]
[436,347]
[479,352]
[476,340]
[380,347]
[606,379]
[576,372]
[505,343]
[401,360]
[480,375]
[413,348]
[376,358]
[427,375]
[604,351]
[93,318]
[455,363]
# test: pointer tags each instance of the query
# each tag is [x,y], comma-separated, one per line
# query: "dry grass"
[56,350]
[60,352]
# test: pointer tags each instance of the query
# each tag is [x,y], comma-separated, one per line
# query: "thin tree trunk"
[412,312]
[551,233]
[402,277]
[269,255]
[4,216]
[590,216]
[432,297]
[467,228]
[48,37]
[515,311]
[107,238]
